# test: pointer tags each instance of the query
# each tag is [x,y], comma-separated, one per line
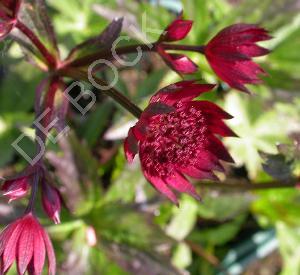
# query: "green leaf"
[100,261]
[210,11]
[10,129]
[94,125]
[182,256]
[278,205]
[75,21]
[218,235]
[258,128]
[151,84]
[289,245]
[125,225]
[223,206]
[285,54]
[187,212]
[125,181]
[18,88]
[282,79]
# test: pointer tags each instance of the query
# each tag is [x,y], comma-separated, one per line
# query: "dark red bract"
[8,16]
[176,31]
[16,188]
[178,62]
[51,201]
[229,53]
[175,138]
[26,242]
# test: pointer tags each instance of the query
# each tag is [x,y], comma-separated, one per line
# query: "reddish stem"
[49,103]
[34,189]
[187,48]
[107,54]
[36,41]
[112,92]
[48,107]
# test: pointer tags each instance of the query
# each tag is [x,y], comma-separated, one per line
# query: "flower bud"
[16,188]
[51,200]
[9,10]
[177,30]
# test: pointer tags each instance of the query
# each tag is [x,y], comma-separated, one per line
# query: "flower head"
[16,188]
[51,200]
[176,137]
[8,16]
[26,242]
[229,54]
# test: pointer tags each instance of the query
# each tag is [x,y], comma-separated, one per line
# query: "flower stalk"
[111,92]
[34,190]
[39,45]
[152,47]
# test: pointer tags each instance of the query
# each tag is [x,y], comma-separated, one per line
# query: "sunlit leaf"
[289,244]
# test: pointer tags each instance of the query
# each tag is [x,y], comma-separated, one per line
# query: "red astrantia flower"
[229,54]
[16,188]
[176,137]
[26,242]
[51,200]
[8,16]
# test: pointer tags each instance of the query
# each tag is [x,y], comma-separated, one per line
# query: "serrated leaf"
[258,130]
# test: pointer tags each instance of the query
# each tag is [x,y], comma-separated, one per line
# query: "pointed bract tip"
[26,242]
